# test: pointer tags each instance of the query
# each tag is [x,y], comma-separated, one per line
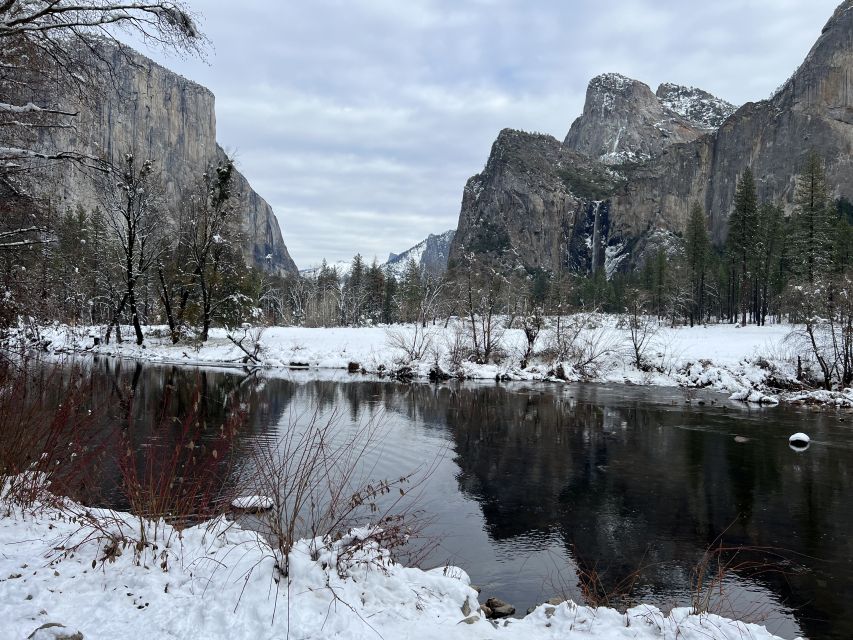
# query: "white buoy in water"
[799,442]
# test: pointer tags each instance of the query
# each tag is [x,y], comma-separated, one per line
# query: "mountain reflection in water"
[533,482]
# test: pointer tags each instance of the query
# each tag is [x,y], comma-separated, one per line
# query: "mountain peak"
[699,107]
[430,255]
[624,121]
[615,82]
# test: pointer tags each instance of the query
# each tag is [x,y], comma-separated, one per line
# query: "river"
[528,485]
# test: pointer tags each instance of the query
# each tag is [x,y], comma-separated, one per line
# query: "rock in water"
[499,608]
[253,504]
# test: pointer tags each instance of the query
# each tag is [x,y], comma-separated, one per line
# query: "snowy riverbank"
[219,581]
[752,364]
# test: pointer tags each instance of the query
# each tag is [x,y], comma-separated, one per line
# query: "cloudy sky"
[360,120]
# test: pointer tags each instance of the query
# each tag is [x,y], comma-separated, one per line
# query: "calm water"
[532,482]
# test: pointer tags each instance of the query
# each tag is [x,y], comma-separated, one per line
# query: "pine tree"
[843,236]
[328,291]
[411,292]
[697,251]
[769,244]
[812,243]
[354,292]
[374,291]
[743,223]
[389,314]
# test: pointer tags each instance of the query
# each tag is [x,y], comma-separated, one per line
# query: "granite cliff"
[623,121]
[143,108]
[631,165]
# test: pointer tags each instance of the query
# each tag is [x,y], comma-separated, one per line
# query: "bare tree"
[642,327]
[212,238]
[480,289]
[134,215]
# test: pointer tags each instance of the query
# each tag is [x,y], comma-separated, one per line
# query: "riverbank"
[85,569]
[750,364]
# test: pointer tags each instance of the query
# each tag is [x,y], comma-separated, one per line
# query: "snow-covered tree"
[213,240]
[134,215]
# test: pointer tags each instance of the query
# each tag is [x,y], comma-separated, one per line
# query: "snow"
[614,255]
[747,363]
[252,503]
[341,266]
[695,105]
[397,262]
[624,156]
[87,570]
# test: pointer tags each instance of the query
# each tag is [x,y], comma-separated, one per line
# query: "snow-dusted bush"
[313,475]
[411,342]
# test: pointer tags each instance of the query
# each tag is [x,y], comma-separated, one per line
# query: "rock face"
[812,111]
[536,206]
[623,121]
[149,111]
[631,166]
[701,109]
[430,255]
[517,210]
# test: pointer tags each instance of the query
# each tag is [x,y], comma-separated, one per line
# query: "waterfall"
[596,237]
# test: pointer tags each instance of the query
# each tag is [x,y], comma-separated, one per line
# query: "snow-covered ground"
[83,569]
[750,363]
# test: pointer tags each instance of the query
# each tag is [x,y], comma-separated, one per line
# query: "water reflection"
[535,482]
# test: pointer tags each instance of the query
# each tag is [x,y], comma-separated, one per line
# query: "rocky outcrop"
[812,111]
[623,121]
[145,109]
[701,109]
[536,206]
[631,166]
[431,255]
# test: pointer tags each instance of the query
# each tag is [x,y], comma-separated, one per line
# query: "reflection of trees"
[146,406]
[623,482]
[629,489]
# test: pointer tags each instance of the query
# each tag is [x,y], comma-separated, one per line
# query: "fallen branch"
[250,355]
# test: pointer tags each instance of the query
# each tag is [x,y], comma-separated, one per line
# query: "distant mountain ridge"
[430,254]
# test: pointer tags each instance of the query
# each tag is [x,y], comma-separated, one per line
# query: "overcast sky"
[360,121]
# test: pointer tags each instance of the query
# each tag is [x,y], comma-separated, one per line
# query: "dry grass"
[44,444]
[181,476]
[317,476]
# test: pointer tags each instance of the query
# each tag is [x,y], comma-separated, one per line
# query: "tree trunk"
[115,321]
[167,304]
[134,316]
